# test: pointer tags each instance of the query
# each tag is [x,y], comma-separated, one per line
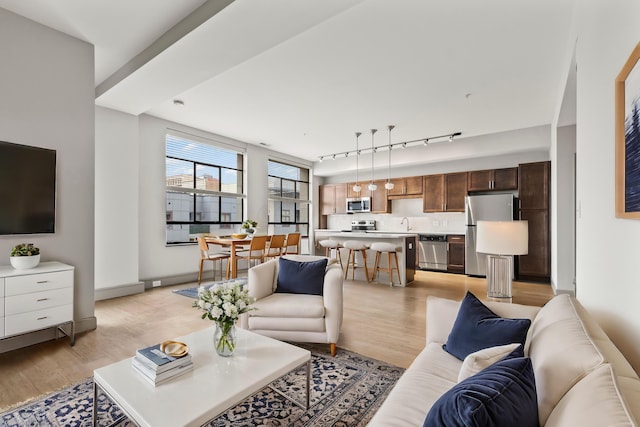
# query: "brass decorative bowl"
[239,235]
[174,348]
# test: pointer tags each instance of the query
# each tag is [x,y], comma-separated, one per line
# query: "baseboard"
[172,280]
[119,291]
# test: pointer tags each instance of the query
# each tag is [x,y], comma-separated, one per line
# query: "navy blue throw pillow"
[296,277]
[502,395]
[477,327]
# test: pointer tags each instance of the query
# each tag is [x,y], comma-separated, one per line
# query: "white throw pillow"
[476,362]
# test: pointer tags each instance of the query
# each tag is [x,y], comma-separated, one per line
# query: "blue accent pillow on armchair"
[477,327]
[295,277]
[502,395]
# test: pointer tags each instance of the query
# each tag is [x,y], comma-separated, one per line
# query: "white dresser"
[37,298]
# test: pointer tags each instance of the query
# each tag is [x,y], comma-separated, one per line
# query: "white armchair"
[295,317]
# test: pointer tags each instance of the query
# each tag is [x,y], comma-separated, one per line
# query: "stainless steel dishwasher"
[432,252]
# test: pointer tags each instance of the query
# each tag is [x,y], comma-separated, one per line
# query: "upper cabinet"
[444,192]
[364,192]
[493,180]
[535,179]
[408,187]
[379,201]
[333,199]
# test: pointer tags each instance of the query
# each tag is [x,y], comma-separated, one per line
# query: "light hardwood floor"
[384,323]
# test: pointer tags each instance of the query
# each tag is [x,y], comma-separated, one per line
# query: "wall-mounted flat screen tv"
[27,189]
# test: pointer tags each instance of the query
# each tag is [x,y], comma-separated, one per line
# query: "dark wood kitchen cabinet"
[455,253]
[379,201]
[493,180]
[534,194]
[409,187]
[333,199]
[444,192]
[433,193]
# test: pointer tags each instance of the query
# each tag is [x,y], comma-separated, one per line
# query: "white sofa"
[581,378]
[295,317]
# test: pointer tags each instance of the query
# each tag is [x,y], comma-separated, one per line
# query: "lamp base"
[499,276]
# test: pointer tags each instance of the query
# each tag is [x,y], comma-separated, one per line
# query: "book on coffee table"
[156,378]
[154,359]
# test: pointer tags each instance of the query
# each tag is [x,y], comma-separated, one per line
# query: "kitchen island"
[406,255]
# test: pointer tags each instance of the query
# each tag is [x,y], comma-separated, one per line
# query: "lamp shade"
[503,237]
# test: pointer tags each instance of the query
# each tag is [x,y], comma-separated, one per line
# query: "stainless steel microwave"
[358,204]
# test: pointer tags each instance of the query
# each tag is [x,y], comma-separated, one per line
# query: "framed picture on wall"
[627,128]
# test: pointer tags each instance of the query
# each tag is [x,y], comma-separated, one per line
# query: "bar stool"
[355,246]
[330,245]
[389,248]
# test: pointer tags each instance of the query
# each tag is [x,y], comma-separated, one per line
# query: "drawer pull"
[42,299]
[42,318]
[42,281]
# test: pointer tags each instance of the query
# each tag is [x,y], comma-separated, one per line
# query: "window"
[204,189]
[288,199]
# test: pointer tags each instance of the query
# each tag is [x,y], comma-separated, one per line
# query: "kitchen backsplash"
[420,222]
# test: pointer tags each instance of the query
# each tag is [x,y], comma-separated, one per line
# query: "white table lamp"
[500,240]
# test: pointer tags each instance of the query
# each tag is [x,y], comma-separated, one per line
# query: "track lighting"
[374,149]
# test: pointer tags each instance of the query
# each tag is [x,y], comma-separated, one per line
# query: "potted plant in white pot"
[249,226]
[24,256]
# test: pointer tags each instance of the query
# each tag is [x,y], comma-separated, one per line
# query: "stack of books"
[157,367]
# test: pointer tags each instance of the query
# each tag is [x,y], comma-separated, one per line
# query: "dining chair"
[256,252]
[292,246]
[276,246]
[208,254]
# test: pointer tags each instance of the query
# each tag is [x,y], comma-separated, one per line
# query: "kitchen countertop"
[372,234]
[395,234]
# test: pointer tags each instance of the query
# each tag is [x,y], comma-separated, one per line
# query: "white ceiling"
[302,76]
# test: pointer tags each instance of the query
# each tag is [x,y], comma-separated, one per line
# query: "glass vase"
[224,338]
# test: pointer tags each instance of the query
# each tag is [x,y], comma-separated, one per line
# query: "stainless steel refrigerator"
[485,207]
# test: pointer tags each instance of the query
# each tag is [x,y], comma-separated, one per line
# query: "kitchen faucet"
[404,218]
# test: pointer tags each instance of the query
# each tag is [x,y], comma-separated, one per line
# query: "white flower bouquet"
[224,303]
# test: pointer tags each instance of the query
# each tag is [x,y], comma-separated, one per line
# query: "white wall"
[607,247]
[563,210]
[47,100]
[116,201]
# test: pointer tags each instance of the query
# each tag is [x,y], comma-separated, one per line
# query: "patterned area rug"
[346,390]
[193,292]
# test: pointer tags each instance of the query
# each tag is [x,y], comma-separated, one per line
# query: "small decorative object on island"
[249,226]
[224,303]
[25,256]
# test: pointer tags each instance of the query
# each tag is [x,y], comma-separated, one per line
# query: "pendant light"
[372,186]
[357,187]
[389,185]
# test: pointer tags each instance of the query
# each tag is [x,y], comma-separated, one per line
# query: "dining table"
[234,244]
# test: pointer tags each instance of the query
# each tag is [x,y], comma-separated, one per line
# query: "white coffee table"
[215,384]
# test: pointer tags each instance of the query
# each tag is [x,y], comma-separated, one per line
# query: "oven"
[432,252]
